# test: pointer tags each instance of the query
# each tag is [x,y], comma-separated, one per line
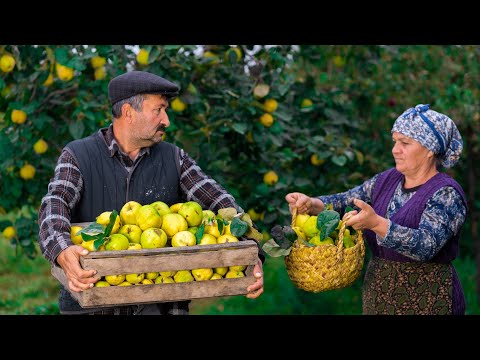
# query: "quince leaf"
[92,229]
[238,227]
[280,238]
[327,221]
[289,233]
[99,242]
[87,237]
[272,249]
[219,224]
[348,209]
[199,233]
[113,217]
[227,213]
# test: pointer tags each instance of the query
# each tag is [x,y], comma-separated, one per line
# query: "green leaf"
[289,233]
[348,209]
[76,129]
[300,182]
[61,56]
[339,160]
[113,217]
[238,227]
[273,250]
[240,128]
[92,229]
[199,232]
[283,115]
[279,236]
[219,224]
[99,242]
[87,237]
[327,221]
[172,47]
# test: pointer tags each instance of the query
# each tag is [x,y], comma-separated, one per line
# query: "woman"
[413,223]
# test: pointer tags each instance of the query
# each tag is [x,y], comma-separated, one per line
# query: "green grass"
[27,287]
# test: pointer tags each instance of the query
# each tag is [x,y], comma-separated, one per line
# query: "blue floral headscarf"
[433,130]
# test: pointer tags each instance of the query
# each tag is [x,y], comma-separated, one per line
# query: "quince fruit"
[148,217]
[192,212]
[117,242]
[135,278]
[104,219]
[128,212]
[115,279]
[183,276]
[7,63]
[131,232]
[234,274]
[102,283]
[76,239]
[184,238]
[174,223]
[226,238]
[202,274]
[153,238]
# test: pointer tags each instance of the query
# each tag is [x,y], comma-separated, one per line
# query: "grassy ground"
[26,287]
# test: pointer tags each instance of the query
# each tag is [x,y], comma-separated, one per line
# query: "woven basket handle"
[341,231]
[294,216]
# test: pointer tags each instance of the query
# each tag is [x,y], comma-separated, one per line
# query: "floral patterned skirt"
[407,288]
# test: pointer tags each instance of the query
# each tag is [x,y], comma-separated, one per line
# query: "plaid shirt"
[66,188]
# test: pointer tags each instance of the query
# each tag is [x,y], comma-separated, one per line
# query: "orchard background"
[314,119]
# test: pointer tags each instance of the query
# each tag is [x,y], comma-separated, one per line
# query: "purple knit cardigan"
[409,215]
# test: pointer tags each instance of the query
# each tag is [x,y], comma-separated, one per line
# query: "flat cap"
[139,82]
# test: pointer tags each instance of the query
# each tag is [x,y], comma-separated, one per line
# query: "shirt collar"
[112,144]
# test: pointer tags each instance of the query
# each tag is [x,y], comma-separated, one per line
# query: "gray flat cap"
[139,82]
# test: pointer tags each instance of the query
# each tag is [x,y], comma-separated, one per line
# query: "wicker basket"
[325,267]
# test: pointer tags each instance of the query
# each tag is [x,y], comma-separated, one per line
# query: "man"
[126,161]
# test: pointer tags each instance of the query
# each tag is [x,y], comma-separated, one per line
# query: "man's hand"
[78,279]
[256,289]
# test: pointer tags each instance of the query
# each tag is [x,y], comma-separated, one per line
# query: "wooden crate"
[165,259]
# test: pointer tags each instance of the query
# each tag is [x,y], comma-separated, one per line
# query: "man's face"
[149,124]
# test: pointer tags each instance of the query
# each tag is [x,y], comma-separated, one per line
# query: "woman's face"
[410,156]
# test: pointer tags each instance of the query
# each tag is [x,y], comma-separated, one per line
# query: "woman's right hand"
[303,203]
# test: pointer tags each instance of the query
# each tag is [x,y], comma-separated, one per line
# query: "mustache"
[162,128]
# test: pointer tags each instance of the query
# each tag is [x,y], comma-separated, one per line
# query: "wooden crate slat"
[179,260]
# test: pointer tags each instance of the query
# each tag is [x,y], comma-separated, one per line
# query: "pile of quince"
[170,277]
[158,225]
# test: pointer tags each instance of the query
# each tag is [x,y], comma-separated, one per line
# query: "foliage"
[354,94]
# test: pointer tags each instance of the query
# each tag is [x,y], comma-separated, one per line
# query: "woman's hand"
[367,219]
[304,204]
